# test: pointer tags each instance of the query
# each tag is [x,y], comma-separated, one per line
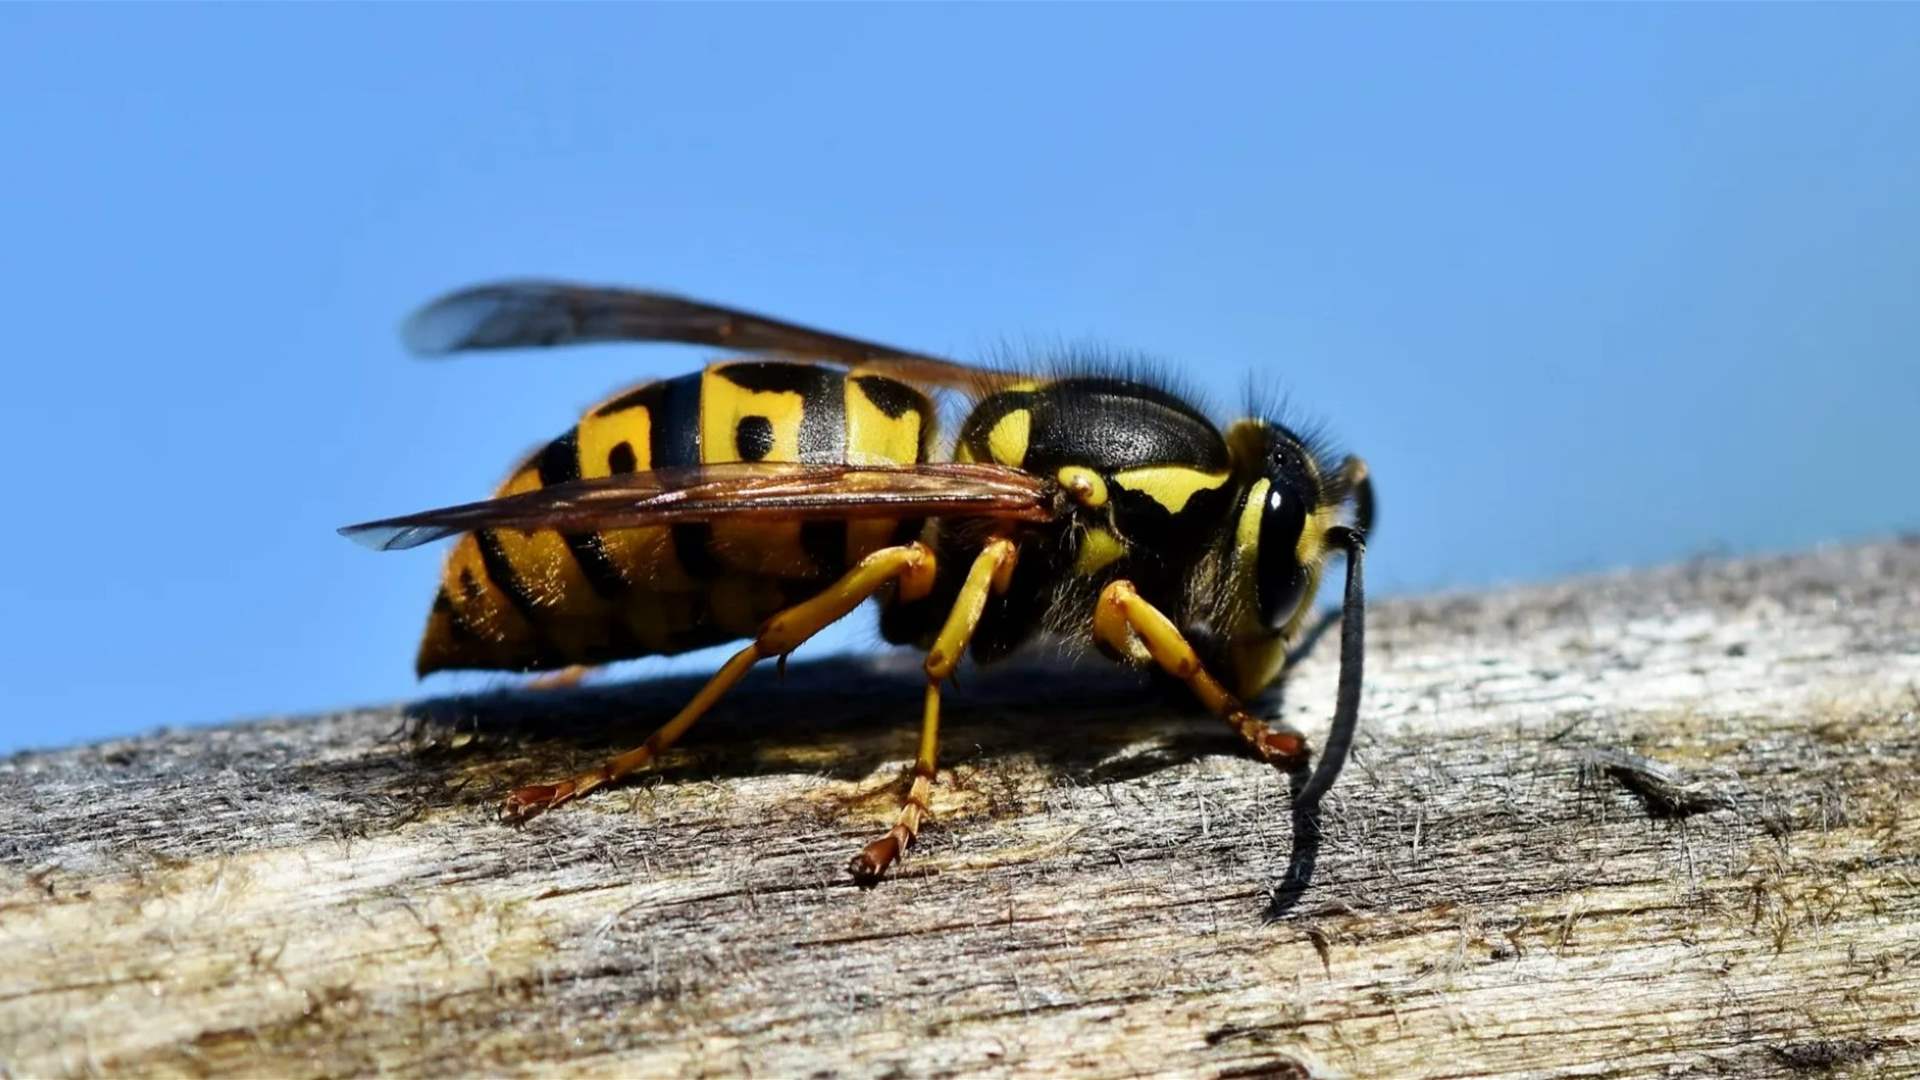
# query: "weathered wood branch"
[1665,823]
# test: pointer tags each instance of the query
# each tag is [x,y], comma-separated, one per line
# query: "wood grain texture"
[1665,823]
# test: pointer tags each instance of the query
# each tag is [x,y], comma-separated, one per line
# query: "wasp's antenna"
[1353,634]
[1360,489]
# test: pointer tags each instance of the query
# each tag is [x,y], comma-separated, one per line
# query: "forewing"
[781,491]
[520,314]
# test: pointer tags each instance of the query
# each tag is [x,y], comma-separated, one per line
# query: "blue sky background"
[1590,286]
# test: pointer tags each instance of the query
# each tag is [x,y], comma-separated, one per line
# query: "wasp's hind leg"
[911,565]
[564,679]
[992,570]
[1129,627]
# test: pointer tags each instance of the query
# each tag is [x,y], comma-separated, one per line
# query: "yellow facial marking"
[1007,442]
[1097,549]
[1172,486]
[1246,534]
[1313,537]
[1259,654]
[1083,484]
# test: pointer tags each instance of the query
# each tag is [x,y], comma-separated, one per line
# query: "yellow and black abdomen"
[540,600]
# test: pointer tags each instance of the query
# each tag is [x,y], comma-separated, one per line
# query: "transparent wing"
[521,314]
[777,491]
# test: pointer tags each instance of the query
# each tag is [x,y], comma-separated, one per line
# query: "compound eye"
[1282,579]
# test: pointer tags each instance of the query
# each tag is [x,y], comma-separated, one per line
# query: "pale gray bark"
[1664,823]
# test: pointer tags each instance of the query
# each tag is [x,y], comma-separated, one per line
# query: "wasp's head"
[1281,539]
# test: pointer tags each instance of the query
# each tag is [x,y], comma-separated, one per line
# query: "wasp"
[772,493]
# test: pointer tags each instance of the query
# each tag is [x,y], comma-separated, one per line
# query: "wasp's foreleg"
[1130,627]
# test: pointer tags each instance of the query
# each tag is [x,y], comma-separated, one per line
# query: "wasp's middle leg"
[992,570]
[1126,624]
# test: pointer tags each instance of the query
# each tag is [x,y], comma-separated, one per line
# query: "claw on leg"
[527,801]
[874,859]
[1283,748]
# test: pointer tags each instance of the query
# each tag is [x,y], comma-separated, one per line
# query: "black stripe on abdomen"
[559,464]
[675,441]
[499,570]
[822,438]
[590,552]
[458,628]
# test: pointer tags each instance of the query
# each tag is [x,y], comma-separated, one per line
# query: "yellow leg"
[564,679]
[911,565]
[1128,624]
[992,571]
